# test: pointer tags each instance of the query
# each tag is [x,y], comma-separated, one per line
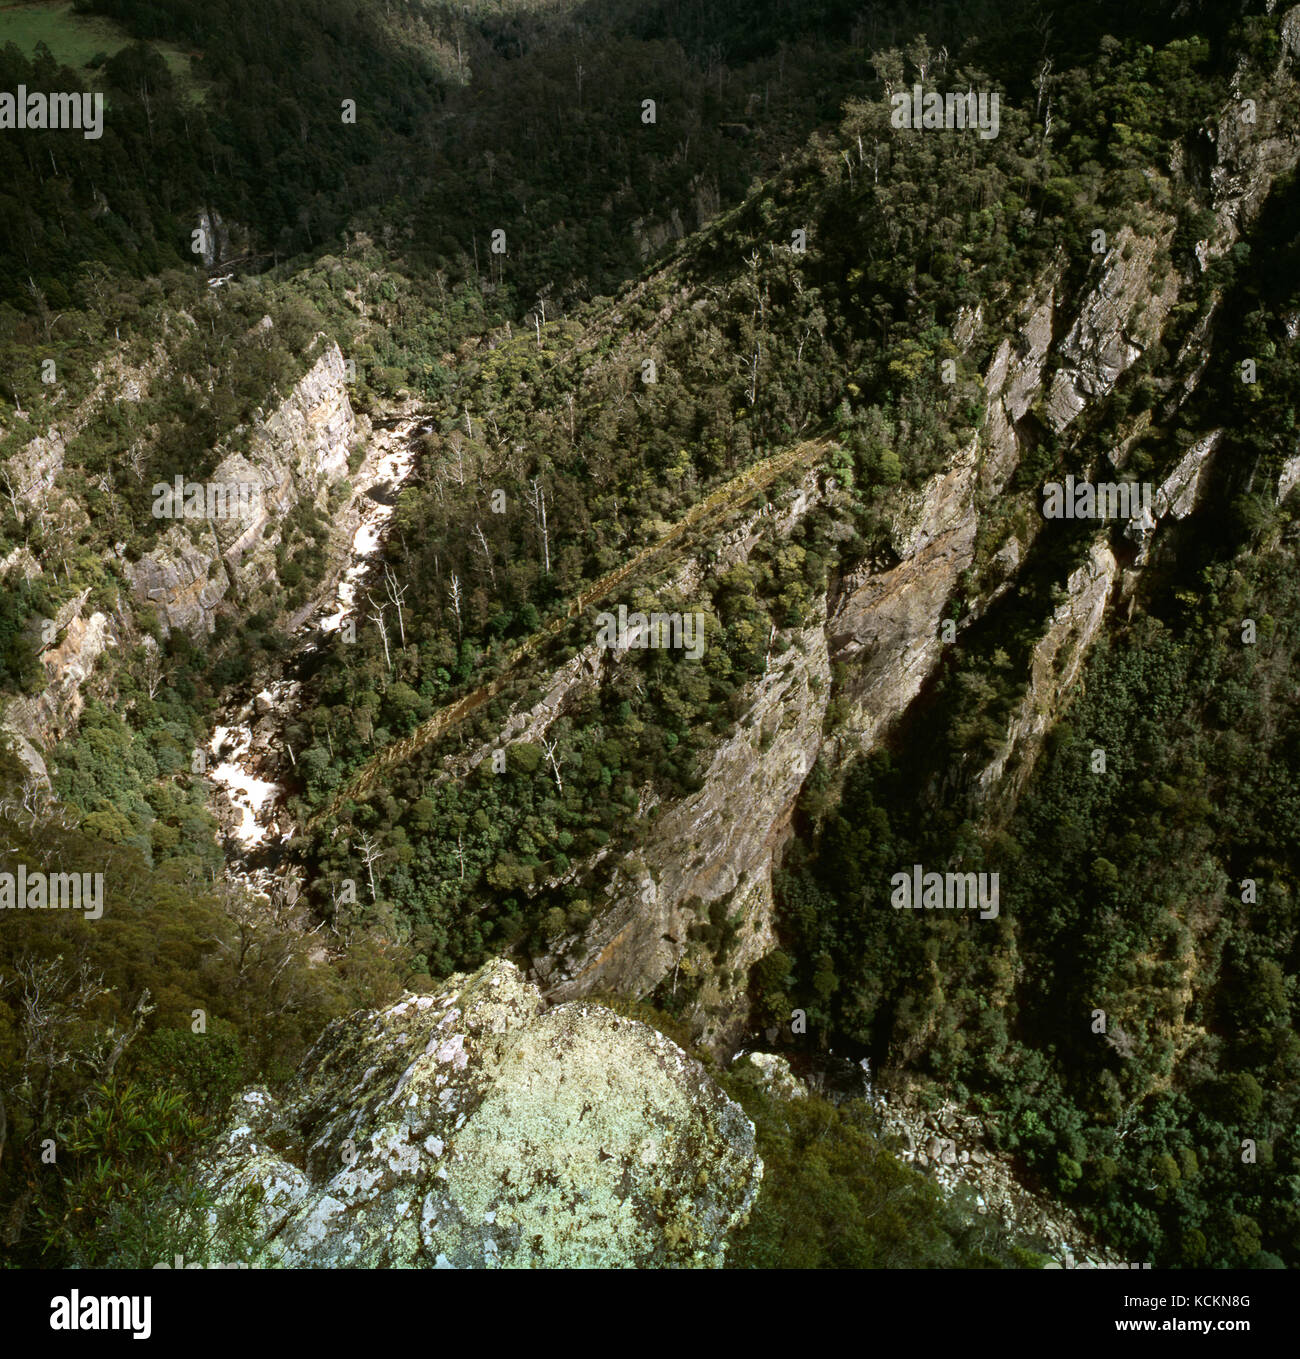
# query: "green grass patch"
[76,40]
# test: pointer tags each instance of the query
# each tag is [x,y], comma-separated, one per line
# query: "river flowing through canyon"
[246,752]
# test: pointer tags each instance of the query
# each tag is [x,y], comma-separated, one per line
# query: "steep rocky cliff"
[719,845]
[479,1128]
[79,640]
[880,629]
[298,453]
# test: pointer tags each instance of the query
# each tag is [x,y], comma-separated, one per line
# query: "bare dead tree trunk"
[454,593]
[396,595]
[549,747]
[486,550]
[377,617]
[141,1012]
[371,853]
[537,500]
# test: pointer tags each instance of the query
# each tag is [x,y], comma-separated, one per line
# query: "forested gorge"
[760,347]
[554,455]
[1161,893]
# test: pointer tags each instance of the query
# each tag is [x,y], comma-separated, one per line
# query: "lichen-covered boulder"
[773,1075]
[477,1127]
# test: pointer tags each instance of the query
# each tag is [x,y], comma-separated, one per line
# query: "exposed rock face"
[49,715]
[1125,313]
[725,840]
[886,624]
[26,752]
[953,1148]
[883,627]
[1012,383]
[1057,660]
[182,581]
[774,1075]
[1288,477]
[35,468]
[1177,495]
[882,632]
[215,242]
[1122,315]
[1253,148]
[21,561]
[645,930]
[297,453]
[716,843]
[479,1128]
[33,471]
[653,235]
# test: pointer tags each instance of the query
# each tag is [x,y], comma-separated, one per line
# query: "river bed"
[247,731]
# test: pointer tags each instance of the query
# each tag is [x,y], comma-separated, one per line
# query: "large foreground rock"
[477,1127]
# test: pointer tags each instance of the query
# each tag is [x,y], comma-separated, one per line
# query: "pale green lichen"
[477,1128]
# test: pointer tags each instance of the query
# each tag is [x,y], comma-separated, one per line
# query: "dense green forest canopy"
[670,240]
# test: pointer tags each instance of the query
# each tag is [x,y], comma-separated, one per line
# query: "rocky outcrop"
[34,469]
[214,240]
[1057,659]
[773,1074]
[479,1128]
[1288,478]
[299,452]
[1012,384]
[1177,496]
[296,454]
[954,1148]
[50,715]
[32,473]
[652,235]
[720,846]
[25,751]
[883,631]
[182,581]
[716,845]
[1122,315]
[886,625]
[1255,142]
[1059,654]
